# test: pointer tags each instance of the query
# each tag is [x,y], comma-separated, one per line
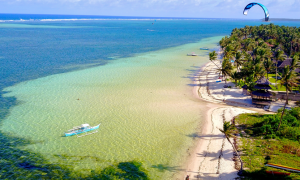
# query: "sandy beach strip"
[212,157]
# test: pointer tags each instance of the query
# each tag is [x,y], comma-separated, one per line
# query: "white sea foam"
[100,19]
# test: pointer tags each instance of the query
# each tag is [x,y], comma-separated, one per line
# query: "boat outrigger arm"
[87,134]
[283,167]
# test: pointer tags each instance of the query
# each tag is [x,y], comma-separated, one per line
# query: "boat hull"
[82,131]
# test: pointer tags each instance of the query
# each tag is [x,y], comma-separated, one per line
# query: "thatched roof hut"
[262,93]
[263,81]
[262,96]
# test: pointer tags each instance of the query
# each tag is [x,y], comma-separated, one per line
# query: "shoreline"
[212,155]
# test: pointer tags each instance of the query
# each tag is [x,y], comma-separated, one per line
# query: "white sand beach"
[212,158]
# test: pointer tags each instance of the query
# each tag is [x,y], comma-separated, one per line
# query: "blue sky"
[154,8]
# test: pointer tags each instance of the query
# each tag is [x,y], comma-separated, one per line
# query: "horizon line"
[129,16]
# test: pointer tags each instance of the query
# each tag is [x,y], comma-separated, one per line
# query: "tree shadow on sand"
[206,136]
[164,167]
[227,154]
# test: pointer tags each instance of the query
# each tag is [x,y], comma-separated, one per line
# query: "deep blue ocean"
[33,46]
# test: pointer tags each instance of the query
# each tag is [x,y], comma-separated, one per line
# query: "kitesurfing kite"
[250,5]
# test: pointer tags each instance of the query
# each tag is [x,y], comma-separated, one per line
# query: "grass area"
[272,79]
[257,149]
[280,88]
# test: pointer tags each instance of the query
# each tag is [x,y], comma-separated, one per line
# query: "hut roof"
[286,62]
[262,93]
[245,87]
[263,81]
[270,45]
[250,52]
[261,86]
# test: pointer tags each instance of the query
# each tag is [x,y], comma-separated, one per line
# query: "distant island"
[281,19]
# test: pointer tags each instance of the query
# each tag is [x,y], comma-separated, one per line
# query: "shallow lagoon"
[144,104]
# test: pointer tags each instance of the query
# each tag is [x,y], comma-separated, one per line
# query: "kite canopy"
[250,5]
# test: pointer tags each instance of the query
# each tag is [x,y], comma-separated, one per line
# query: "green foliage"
[257,50]
[283,149]
[267,125]
[132,170]
[240,83]
[22,164]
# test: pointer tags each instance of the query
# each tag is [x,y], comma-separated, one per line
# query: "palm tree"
[223,42]
[279,56]
[258,69]
[229,52]
[289,80]
[225,69]
[236,76]
[213,56]
[261,52]
[268,66]
[239,59]
[293,38]
[295,62]
[228,131]
[249,44]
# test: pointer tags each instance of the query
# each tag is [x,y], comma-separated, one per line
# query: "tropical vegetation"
[249,54]
[261,143]
[256,51]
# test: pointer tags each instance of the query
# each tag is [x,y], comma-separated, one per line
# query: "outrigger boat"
[192,54]
[82,129]
[204,48]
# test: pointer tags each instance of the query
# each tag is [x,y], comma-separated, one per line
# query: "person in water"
[187,177]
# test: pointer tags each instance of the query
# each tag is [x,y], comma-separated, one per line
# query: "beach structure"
[81,129]
[278,173]
[286,62]
[262,96]
[245,91]
[283,167]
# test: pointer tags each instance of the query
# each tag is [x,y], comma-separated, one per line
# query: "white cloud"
[183,8]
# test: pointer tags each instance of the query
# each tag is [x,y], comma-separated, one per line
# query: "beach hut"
[245,91]
[262,96]
[286,62]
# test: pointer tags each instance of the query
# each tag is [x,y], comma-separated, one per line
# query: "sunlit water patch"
[144,104]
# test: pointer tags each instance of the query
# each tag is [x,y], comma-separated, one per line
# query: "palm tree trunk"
[281,117]
[276,74]
[291,48]
[236,153]
[287,96]
[215,63]
[286,102]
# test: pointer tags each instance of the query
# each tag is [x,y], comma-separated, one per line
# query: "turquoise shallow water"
[144,104]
